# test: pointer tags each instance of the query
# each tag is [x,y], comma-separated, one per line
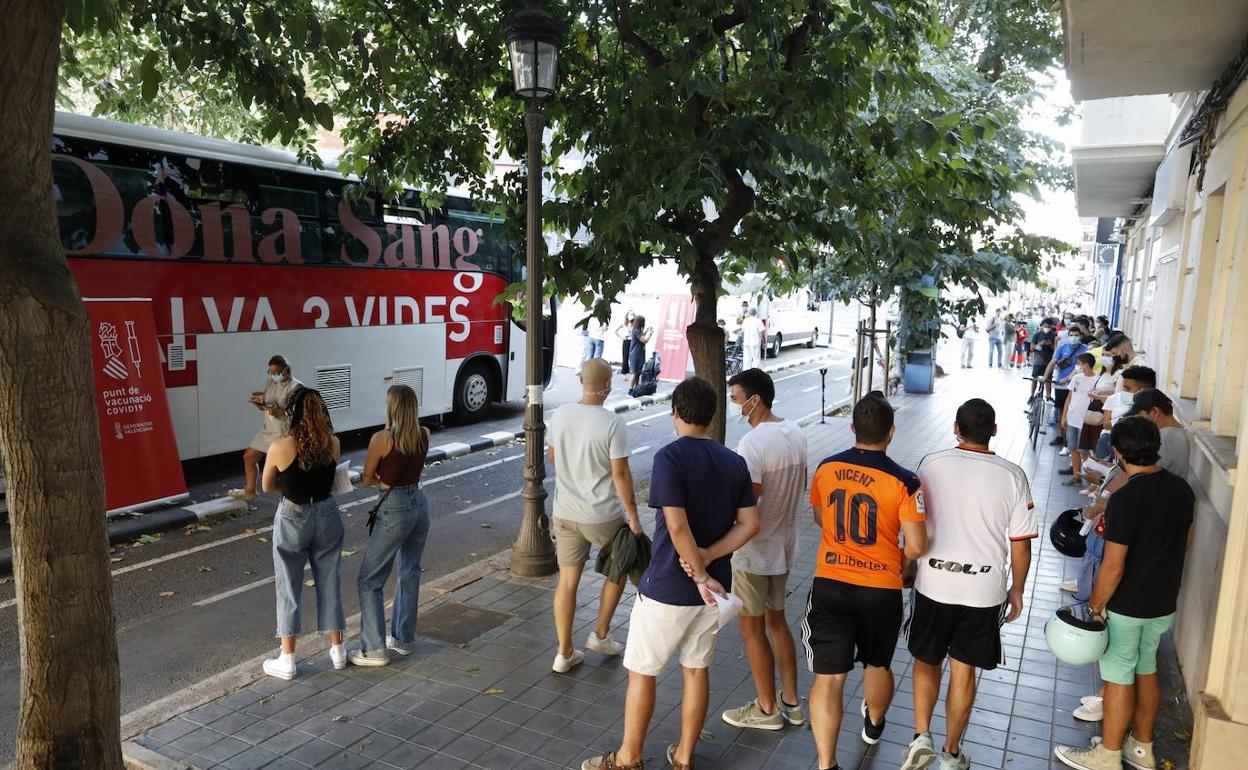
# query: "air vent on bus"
[176,357]
[334,383]
[413,377]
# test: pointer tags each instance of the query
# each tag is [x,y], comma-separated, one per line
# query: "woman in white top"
[272,399]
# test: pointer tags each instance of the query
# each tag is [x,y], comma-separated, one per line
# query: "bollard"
[823,393]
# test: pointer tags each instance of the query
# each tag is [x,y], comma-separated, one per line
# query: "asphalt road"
[191,604]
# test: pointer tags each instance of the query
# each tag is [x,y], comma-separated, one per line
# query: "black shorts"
[843,619]
[971,635]
[1038,365]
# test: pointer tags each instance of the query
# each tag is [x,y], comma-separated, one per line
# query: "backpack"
[648,383]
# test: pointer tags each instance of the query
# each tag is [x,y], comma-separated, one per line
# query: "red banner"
[141,465]
[675,314]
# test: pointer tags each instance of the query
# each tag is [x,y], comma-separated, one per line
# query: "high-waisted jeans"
[311,532]
[400,534]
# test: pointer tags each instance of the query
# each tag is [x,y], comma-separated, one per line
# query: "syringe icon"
[133,342]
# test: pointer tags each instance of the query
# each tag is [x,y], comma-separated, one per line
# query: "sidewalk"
[491,701]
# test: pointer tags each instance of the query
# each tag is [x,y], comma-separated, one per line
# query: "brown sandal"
[675,764]
[607,762]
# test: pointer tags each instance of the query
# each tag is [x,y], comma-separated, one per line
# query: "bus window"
[303,202]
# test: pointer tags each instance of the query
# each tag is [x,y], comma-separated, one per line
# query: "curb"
[130,527]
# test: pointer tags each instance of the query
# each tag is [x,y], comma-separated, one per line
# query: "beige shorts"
[574,538]
[657,631]
[759,592]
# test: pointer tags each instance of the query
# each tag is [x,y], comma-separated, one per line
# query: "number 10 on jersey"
[850,520]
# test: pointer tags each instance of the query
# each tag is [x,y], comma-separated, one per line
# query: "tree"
[70,709]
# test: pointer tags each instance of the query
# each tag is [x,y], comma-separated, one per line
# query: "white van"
[796,318]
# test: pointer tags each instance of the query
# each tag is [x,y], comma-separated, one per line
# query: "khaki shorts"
[574,538]
[759,592]
[657,631]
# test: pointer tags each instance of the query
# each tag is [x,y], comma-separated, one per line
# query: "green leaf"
[337,36]
[324,115]
[149,76]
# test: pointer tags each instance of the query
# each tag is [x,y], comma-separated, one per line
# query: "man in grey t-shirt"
[593,493]
[1176,444]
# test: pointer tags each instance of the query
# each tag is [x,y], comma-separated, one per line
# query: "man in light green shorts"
[1147,525]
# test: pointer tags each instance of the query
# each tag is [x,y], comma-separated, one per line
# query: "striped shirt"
[775,453]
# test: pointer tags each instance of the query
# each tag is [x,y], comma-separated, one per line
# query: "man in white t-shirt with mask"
[593,493]
[775,454]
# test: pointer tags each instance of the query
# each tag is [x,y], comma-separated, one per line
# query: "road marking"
[511,495]
[812,387]
[799,374]
[473,469]
[189,551]
[233,592]
[651,417]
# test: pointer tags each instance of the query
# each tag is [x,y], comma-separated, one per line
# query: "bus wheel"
[472,393]
[775,346]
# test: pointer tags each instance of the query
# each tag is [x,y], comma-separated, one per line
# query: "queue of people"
[726,521]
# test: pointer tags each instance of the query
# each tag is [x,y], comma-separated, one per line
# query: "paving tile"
[252,758]
[314,752]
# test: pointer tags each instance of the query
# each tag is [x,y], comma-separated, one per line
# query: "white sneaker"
[1091,710]
[563,665]
[1138,754]
[338,655]
[1094,757]
[374,658]
[1065,452]
[397,647]
[752,716]
[603,645]
[1070,586]
[282,667]
[921,753]
[950,762]
[792,714]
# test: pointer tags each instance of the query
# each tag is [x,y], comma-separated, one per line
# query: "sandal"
[673,762]
[607,762]
[241,494]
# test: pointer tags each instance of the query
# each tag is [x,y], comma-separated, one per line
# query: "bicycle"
[1037,408]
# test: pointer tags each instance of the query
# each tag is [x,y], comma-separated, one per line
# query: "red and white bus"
[246,253]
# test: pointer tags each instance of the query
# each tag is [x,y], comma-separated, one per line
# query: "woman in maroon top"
[396,457]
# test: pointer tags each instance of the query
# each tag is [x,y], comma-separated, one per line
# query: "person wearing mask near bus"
[307,528]
[272,399]
[395,459]
[638,337]
[625,334]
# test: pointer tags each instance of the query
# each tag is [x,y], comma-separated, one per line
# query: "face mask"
[275,377]
[745,415]
[1107,360]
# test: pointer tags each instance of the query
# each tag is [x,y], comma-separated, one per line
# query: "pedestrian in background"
[775,454]
[1147,531]
[996,338]
[638,337]
[272,399]
[753,334]
[398,530]
[593,496]
[307,529]
[855,605]
[1019,356]
[625,334]
[970,336]
[705,510]
[979,513]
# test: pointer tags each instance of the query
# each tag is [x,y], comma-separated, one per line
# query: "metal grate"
[176,357]
[414,378]
[334,383]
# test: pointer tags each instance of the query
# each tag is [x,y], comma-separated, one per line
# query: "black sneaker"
[870,733]
[1058,441]
[1066,472]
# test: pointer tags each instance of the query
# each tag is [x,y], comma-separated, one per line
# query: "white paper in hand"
[729,606]
[1096,467]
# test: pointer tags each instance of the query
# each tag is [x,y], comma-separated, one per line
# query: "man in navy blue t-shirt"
[706,511]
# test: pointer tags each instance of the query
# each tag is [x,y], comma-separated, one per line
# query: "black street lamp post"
[533,37]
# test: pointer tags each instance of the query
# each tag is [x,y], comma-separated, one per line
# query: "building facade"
[1165,153]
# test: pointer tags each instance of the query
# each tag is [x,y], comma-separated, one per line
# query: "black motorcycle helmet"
[1065,534]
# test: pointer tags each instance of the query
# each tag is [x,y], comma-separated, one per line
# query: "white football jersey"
[977,503]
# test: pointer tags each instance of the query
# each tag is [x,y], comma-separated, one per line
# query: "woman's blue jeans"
[1091,563]
[399,535]
[311,532]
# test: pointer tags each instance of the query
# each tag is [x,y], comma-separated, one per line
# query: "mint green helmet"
[1075,637]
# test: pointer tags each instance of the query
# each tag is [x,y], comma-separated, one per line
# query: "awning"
[1129,47]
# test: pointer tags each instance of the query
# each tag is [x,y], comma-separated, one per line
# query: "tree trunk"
[70,711]
[706,339]
[871,351]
